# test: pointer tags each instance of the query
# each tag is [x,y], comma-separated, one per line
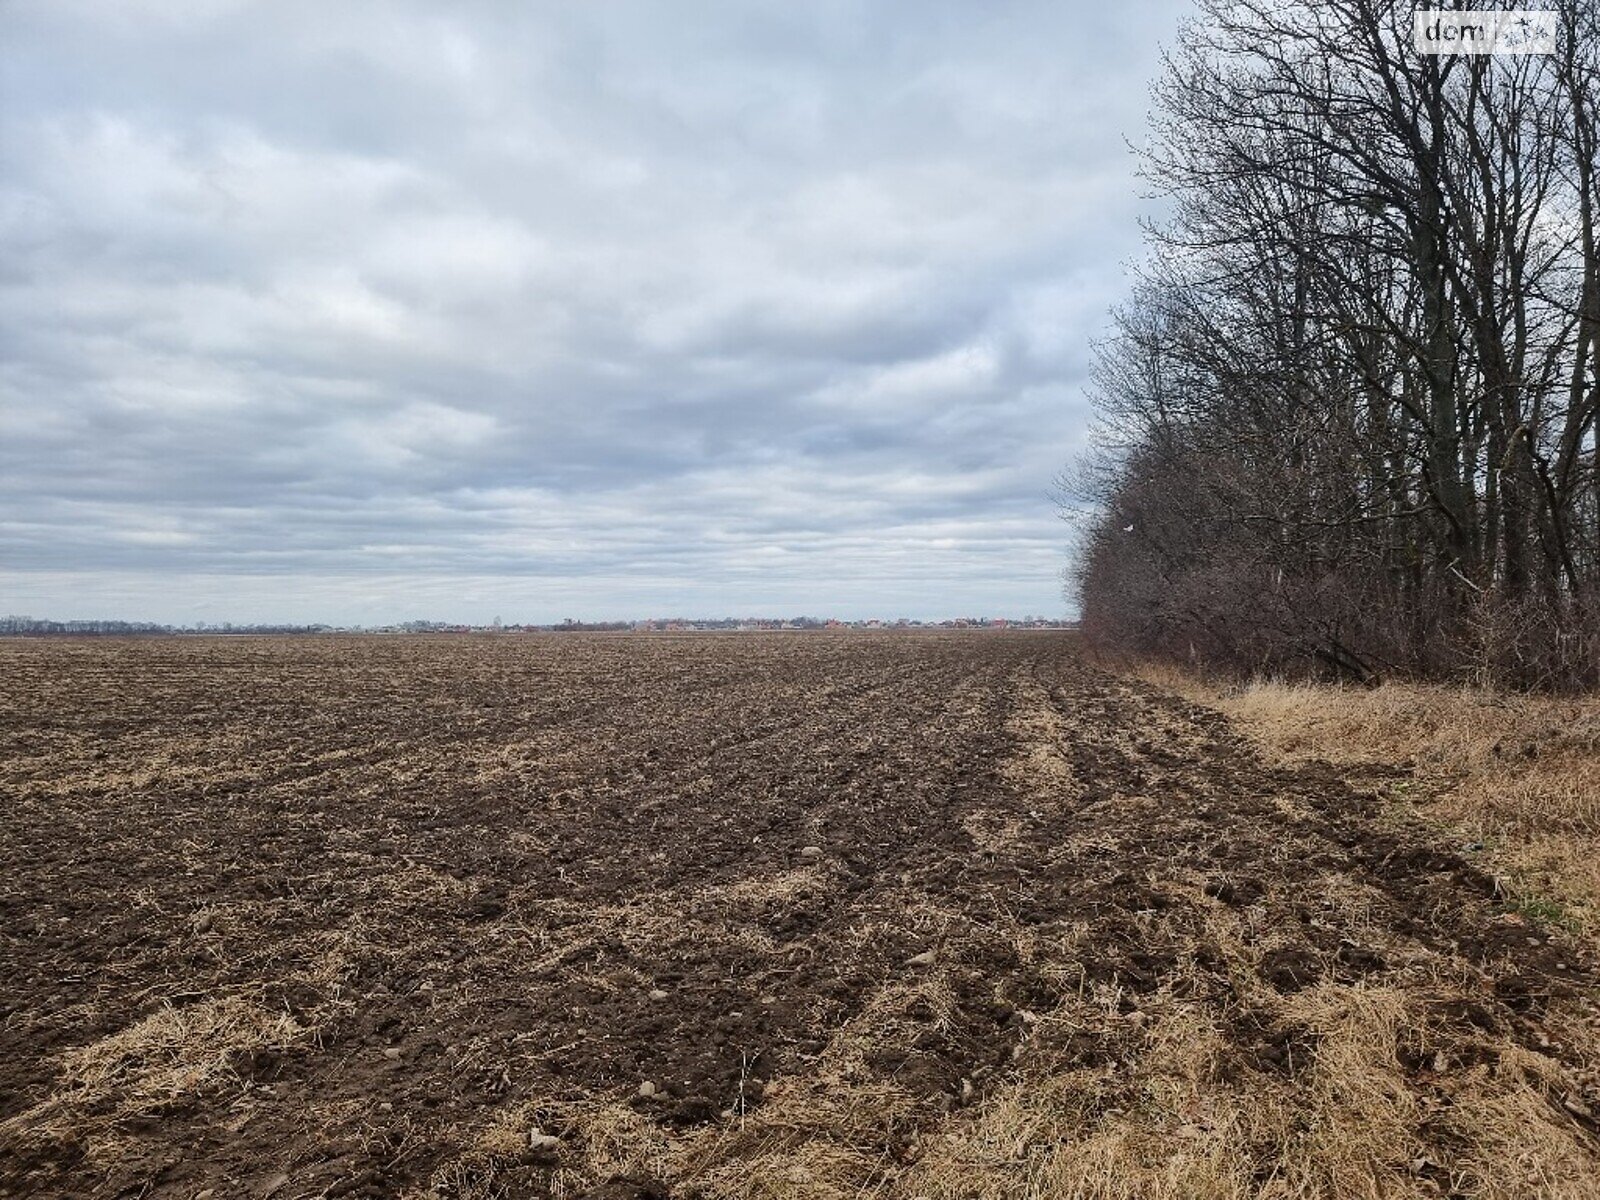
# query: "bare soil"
[375,917]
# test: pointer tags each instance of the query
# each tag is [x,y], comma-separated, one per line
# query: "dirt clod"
[1290,968]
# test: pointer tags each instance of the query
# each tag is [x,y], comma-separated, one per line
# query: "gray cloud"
[368,311]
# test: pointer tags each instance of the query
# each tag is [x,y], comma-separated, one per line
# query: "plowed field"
[770,915]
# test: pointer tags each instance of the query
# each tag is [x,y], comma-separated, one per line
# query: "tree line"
[1347,416]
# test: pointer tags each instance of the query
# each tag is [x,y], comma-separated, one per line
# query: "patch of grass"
[1546,911]
[166,1058]
[1518,773]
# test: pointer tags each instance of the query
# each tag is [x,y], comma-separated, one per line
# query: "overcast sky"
[360,312]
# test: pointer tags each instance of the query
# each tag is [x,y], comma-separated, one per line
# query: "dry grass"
[1519,774]
[169,1056]
[1197,1130]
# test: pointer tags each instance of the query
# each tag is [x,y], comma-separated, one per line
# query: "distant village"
[15,626]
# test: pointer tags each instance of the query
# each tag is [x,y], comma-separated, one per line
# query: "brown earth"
[377,917]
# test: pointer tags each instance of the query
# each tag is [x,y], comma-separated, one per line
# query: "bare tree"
[1349,417]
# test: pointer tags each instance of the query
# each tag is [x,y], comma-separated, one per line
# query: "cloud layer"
[367,311]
